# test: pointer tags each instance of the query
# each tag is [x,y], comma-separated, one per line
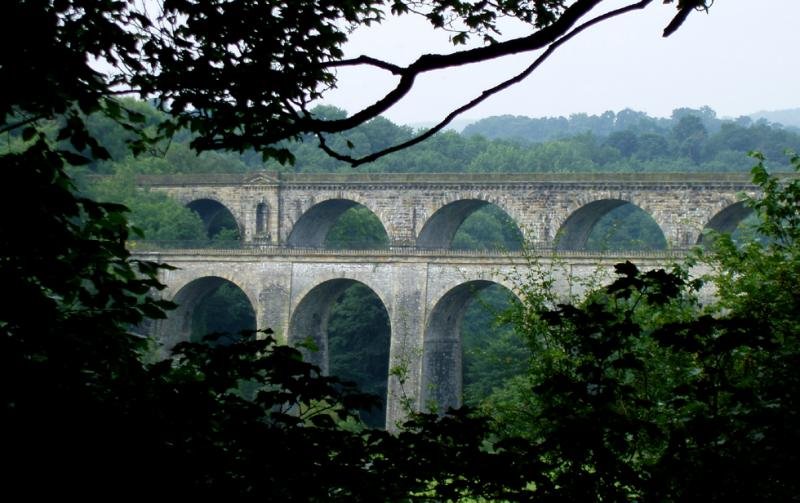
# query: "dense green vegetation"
[493,351]
[626,227]
[643,393]
[357,228]
[488,228]
[226,310]
[692,140]
[358,344]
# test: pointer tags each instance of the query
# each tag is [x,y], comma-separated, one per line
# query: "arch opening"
[343,327]
[220,224]
[737,219]
[466,355]
[610,224]
[492,350]
[747,231]
[208,305]
[339,224]
[470,224]
[357,228]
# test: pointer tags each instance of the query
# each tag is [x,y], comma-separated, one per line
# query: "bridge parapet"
[145,248]
[262,177]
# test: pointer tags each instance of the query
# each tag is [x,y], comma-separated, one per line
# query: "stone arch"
[440,228]
[309,318]
[211,211]
[727,219]
[574,231]
[442,364]
[177,327]
[311,228]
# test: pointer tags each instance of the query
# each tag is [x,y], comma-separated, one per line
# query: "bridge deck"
[144,249]
[459,178]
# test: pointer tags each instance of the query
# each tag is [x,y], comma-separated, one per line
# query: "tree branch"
[367,60]
[683,13]
[431,62]
[354,162]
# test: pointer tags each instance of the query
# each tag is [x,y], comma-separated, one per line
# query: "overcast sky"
[741,57]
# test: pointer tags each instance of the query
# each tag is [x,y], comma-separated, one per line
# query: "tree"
[87,411]
[359,333]
[357,228]
[690,134]
[241,74]
[641,392]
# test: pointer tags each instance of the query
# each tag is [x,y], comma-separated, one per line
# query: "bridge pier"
[407,316]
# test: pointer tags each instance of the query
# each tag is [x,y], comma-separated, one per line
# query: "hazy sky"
[740,58]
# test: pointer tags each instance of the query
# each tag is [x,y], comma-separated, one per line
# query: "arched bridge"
[292,282]
[425,210]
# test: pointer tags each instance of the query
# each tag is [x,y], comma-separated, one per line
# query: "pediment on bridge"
[261,178]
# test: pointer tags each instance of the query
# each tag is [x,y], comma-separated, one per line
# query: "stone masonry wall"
[682,205]
[410,288]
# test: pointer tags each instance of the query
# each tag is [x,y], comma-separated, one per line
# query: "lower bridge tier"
[424,292]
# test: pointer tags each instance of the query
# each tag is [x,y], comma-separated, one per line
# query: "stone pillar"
[405,353]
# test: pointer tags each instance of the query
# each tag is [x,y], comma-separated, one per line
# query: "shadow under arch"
[313,226]
[575,232]
[726,220]
[179,324]
[310,322]
[440,229]
[442,362]
[215,216]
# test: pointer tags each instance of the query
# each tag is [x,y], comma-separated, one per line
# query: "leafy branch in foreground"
[642,392]
[242,75]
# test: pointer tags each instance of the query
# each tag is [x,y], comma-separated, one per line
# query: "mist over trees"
[692,140]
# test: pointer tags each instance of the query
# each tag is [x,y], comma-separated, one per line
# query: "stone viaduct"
[292,282]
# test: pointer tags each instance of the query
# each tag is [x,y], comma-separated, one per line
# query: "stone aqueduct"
[292,282]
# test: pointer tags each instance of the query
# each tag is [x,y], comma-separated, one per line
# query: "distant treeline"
[541,129]
[691,140]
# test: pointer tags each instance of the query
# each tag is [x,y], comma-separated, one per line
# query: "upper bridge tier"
[552,210]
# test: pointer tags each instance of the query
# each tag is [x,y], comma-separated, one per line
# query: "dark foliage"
[641,393]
